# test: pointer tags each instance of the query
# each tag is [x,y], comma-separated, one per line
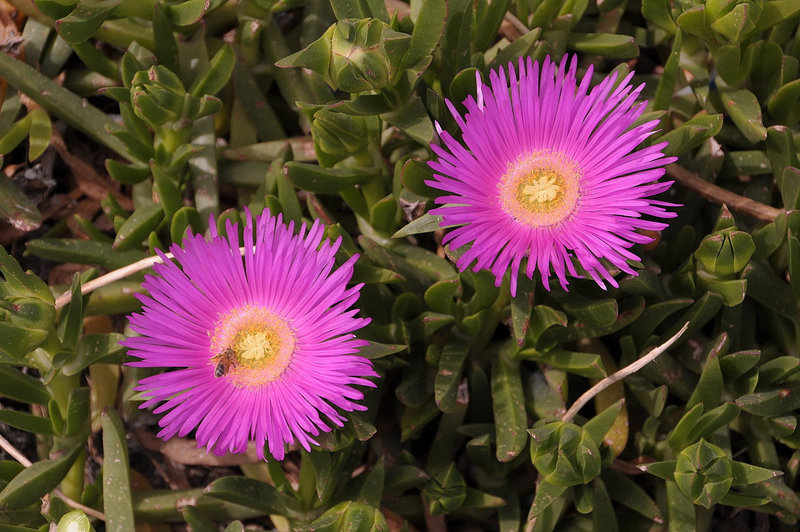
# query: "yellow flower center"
[251,346]
[540,189]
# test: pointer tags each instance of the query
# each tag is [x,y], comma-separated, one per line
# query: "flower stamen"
[261,344]
[540,189]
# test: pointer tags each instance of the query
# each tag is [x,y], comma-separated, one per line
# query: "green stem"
[60,387]
[373,191]
[72,485]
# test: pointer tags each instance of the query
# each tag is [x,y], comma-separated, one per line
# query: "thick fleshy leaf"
[448,377]
[584,364]
[94,348]
[199,522]
[32,483]
[628,493]
[692,133]
[26,422]
[519,48]
[85,19]
[424,224]
[413,120]
[658,12]
[18,340]
[770,403]
[251,493]
[745,111]
[185,218]
[546,494]
[62,103]
[216,74]
[117,500]
[324,180]
[744,473]
[427,31]
[603,44]
[20,387]
[83,252]
[508,403]
[39,134]
[136,228]
[372,489]
[192,11]
[599,425]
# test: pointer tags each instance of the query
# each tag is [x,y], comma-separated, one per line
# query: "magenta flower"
[263,342]
[546,171]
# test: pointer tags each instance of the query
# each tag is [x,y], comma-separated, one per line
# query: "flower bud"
[358,59]
[157,96]
[704,473]
[725,252]
[564,454]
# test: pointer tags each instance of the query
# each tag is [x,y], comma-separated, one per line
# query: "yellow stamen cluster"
[261,343]
[540,189]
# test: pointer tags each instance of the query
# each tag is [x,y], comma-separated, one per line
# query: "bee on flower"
[262,342]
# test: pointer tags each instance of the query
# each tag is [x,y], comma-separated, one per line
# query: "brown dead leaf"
[185,451]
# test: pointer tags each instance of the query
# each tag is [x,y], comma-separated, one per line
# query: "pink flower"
[263,342]
[547,172]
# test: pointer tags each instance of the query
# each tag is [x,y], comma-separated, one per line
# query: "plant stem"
[719,195]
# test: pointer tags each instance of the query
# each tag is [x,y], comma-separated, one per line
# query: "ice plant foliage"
[263,343]
[547,171]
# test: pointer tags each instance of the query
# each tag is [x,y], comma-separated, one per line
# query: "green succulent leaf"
[28,486]
[745,111]
[136,228]
[509,408]
[85,19]
[21,387]
[251,493]
[118,504]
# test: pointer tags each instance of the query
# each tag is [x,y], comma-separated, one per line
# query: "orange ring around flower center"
[540,189]
[251,346]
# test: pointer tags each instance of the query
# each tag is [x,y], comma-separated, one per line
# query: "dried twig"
[621,374]
[717,194]
[116,275]
[110,277]
[512,28]
[185,451]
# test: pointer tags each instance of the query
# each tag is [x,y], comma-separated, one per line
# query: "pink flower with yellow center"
[547,173]
[263,340]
